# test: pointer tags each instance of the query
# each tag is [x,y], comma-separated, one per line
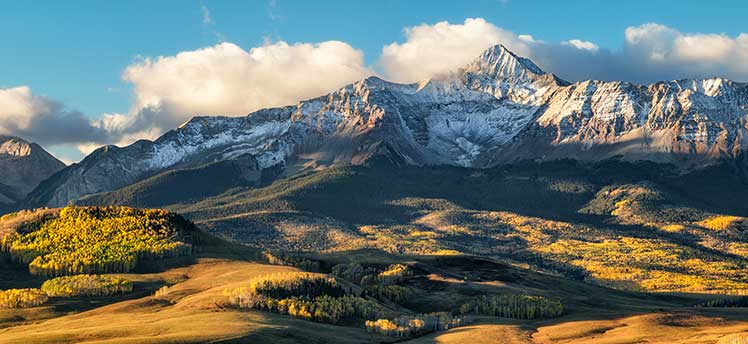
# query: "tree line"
[366,275]
[65,286]
[304,295]
[283,259]
[726,302]
[519,306]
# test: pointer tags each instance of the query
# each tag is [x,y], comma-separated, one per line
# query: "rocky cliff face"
[499,108]
[22,166]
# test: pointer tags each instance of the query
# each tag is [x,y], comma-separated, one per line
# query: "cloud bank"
[650,52]
[226,79]
[441,48]
[43,120]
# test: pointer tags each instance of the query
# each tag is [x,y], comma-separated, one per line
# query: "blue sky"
[75,52]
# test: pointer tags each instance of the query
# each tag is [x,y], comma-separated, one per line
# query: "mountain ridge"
[497,109]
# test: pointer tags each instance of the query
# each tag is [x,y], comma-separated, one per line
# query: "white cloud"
[581,45]
[666,52]
[651,41]
[650,52]
[444,47]
[527,38]
[227,80]
[220,80]
[43,120]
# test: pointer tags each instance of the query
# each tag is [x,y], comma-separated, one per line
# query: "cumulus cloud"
[219,80]
[43,120]
[668,53]
[650,52]
[443,47]
[227,80]
[582,45]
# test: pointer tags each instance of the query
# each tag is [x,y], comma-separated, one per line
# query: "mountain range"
[500,108]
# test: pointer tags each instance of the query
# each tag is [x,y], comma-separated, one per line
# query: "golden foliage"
[650,264]
[22,298]
[406,325]
[97,239]
[721,222]
[393,274]
[309,296]
[86,285]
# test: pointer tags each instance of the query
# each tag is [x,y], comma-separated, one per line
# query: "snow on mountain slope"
[499,107]
[685,121]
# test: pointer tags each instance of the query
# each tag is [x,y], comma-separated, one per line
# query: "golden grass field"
[187,313]
[190,311]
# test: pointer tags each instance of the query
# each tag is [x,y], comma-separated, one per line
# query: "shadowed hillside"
[614,223]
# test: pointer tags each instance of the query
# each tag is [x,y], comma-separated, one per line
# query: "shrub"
[323,308]
[97,240]
[723,222]
[514,306]
[162,292]
[22,298]
[285,285]
[393,274]
[360,274]
[406,326]
[86,285]
[309,296]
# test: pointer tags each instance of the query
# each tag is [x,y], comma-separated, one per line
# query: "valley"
[190,309]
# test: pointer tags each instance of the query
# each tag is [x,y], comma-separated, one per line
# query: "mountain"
[23,166]
[499,108]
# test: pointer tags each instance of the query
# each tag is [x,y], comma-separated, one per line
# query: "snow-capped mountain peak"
[500,107]
[500,63]
[505,75]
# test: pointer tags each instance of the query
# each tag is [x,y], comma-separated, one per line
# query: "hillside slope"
[584,221]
